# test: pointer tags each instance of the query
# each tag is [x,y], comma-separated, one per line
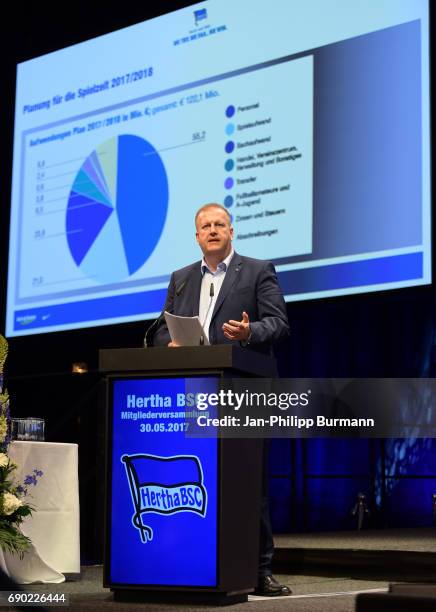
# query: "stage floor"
[391,554]
[410,540]
[325,571]
[310,594]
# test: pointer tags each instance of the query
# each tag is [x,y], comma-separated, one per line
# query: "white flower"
[4,460]
[10,503]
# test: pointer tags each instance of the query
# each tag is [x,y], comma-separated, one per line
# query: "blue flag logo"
[164,485]
[200,15]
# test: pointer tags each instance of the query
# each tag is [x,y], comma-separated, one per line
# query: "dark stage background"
[314,483]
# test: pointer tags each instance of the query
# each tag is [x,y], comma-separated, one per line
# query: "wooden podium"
[181,513]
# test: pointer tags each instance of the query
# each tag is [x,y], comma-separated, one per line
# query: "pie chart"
[117,208]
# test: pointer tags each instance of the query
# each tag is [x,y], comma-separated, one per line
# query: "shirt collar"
[221,267]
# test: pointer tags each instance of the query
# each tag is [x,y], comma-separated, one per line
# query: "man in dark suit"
[237,299]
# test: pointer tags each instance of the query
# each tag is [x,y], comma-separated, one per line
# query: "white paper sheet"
[185,331]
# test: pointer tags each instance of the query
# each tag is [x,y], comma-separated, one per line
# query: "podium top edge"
[224,357]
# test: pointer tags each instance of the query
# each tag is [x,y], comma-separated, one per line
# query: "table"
[54,527]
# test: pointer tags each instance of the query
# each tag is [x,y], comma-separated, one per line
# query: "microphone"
[155,324]
[211,294]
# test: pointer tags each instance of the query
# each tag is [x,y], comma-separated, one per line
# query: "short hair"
[212,205]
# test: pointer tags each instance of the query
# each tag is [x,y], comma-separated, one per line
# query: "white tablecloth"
[54,527]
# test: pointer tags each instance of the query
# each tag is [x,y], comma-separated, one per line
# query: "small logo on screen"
[164,485]
[200,15]
[25,320]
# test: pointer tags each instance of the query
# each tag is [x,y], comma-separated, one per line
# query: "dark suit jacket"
[249,284]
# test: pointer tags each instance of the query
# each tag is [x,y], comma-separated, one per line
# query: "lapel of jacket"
[193,288]
[229,279]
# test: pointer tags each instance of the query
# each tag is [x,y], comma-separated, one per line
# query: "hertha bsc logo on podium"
[164,485]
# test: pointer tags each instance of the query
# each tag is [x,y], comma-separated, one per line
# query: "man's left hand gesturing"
[238,330]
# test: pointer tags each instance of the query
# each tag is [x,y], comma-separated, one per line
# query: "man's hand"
[173,344]
[238,330]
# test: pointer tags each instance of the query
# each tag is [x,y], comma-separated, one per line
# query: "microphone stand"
[150,329]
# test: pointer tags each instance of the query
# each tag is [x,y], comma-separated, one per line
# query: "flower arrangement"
[13,506]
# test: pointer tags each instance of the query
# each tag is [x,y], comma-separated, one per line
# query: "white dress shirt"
[207,302]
